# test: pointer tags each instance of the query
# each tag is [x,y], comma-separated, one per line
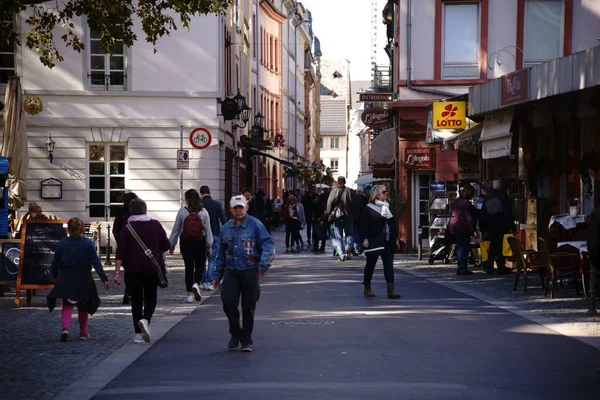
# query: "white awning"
[496,137]
[383,148]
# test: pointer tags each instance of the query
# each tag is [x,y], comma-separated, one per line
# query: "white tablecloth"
[580,245]
[568,221]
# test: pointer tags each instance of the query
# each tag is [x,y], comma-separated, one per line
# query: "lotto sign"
[200,138]
[183,159]
[449,115]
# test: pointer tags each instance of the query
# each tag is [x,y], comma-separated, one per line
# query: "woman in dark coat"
[142,277]
[118,225]
[71,268]
[379,232]
[463,222]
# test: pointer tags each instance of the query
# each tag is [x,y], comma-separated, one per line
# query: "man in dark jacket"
[261,207]
[217,218]
[319,223]
[340,212]
[309,204]
[496,220]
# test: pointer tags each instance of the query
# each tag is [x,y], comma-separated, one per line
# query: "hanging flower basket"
[33,105]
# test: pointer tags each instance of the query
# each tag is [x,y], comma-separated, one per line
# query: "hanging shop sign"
[200,138]
[419,158]
[449,115]
[376,97]
[515,87]
[377,117]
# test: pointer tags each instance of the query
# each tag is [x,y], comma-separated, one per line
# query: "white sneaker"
[138,338]
[143,325]
[208,287]
[189,299]
[196,290]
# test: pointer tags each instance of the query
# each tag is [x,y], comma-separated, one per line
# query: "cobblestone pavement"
[37,366]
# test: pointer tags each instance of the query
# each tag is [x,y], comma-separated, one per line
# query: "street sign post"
[183,159]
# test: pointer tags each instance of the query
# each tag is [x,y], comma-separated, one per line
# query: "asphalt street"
[317,337]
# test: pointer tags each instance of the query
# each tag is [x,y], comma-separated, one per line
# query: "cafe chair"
[525,263]
[558,265]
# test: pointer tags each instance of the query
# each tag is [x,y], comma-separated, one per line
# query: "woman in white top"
[192,228]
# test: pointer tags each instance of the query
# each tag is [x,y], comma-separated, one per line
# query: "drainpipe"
[409,58]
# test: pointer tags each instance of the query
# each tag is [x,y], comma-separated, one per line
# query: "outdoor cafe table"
[581,246]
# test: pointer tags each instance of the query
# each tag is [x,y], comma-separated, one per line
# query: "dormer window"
[336,74]
[333,94]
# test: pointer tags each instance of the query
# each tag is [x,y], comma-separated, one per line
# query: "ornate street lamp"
[50,147]
[258,130]
[240,101]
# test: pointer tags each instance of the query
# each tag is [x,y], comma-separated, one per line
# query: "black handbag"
[162,277]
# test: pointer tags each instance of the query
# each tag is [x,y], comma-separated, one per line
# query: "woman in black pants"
[192,227]
[380,238]
[142,279]
[291,217]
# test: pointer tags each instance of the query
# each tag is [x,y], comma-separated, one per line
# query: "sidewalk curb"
[108,369]
[547,322]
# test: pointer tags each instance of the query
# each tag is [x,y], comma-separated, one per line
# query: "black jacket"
[216,214]
[372,225]
[496,213]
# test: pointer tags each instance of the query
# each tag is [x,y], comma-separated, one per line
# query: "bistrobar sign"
[449,115]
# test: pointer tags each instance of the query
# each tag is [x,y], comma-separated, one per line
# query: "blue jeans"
[341,227]
[356,239]
[463,246]
[208,276]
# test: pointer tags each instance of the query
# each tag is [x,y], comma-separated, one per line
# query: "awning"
[368,179]
[467,138]
[260,153]
[383,148]
[496,137]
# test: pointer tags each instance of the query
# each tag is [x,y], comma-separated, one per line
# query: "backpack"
[192,227]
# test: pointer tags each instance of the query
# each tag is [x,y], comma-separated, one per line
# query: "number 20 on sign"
[200,138]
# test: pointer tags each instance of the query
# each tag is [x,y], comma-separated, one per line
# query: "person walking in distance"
[293,223]
[142,276]
[246,251]
[192,228]
[73,258]
[319,225]
[380,239]
[217,219]
[360,202]
[463,223]
[118,225]
[340,212]
[262,208]
[308,204]
[496,220]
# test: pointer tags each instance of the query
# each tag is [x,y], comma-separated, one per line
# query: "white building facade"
[118,120]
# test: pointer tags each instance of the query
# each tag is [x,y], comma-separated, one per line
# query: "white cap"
[238,201]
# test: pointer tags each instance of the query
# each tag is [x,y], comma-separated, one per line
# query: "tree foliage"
[113,20]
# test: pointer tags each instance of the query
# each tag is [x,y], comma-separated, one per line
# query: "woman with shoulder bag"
[141,259]
[380,238]
[463,221]
[192,228]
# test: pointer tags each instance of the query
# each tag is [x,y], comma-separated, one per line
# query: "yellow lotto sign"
[449,115]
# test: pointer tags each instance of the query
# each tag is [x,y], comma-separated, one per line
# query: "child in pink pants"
[73,260]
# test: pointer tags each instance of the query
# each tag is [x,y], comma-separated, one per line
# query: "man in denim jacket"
[245,253]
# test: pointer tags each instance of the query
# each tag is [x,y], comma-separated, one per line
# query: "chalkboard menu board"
[9,261]
[38,241]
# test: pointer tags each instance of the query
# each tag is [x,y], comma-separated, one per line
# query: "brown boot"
[368,291]
[390,291]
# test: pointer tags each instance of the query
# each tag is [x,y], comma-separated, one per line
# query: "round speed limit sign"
[200,138]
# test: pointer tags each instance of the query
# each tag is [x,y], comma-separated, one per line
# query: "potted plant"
[573,207]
